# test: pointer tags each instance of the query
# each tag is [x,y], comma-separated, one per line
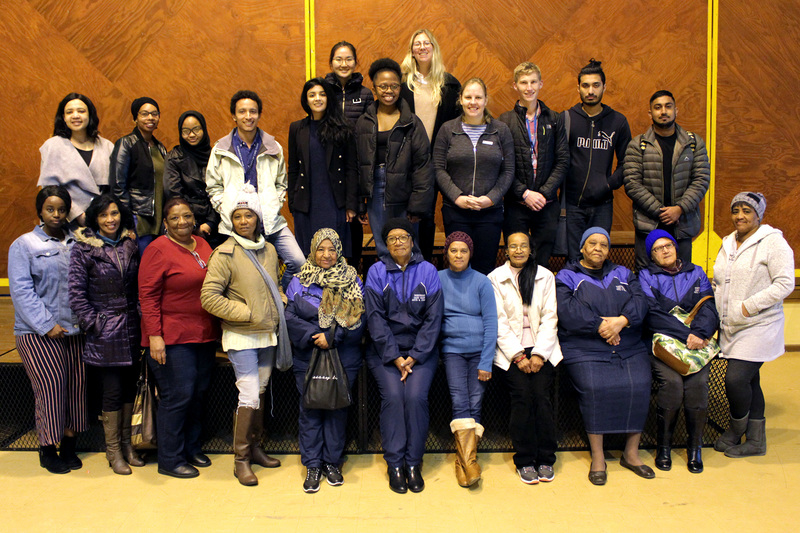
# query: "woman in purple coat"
[103,293]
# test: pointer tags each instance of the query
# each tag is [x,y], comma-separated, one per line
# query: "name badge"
[487,142]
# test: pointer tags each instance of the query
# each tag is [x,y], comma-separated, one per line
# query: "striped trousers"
[58,380]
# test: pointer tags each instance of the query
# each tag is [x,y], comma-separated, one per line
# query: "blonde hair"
[487,116]
[435,76]
[526,68]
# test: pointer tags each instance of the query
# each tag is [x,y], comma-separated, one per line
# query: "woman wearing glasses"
[404,307]
[181,335]
[185,171]
[137,171]
[395,171]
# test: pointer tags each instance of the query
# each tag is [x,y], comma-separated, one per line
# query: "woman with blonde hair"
[432,94]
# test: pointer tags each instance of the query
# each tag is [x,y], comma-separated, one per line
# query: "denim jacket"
[37,277]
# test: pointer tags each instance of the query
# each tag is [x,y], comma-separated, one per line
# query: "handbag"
[675,354]
[326,385]
[143,421]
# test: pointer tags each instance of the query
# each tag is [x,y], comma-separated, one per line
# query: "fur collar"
[86,235]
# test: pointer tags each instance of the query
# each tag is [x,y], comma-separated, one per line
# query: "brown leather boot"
[241,446]
[258,455]
[128,452]
[467,446]
[459,424]
[111,428]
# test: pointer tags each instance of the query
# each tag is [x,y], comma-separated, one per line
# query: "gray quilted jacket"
[644,183]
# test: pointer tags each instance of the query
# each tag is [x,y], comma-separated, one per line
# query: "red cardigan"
[170,279]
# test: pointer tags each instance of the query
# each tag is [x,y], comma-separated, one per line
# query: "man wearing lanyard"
[542,160]
[250,155]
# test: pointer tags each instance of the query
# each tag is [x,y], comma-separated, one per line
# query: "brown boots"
[258,455]
[468,471]
[128,452]
[112,424]
[248,428]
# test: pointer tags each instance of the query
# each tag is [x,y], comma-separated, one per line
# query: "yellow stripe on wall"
[311,59]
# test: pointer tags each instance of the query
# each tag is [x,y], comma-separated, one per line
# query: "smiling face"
[591,89]
[473,103]
[399,243]
[180,222]
[317,101]
[246,115]
[422,49]
[343,63]
[387,87]
[192,131]
[528,87]
[76,115]
[663,112]
[595,250]
[147,119]
[53,213]
[664,253]
[458,256]
[108,221]
[745,219]
[518,248]
[245,223]
[325,256]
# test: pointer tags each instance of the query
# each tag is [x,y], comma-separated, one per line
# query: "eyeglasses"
[199,260]
[386,87]
[663,248]
[145,114]
[421,44]
[346,60]
[196,130]
[398,239]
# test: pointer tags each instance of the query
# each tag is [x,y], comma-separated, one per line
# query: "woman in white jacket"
[753,274]
[528,351]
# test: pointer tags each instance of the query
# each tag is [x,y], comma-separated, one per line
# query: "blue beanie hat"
[654,235]
[592,231]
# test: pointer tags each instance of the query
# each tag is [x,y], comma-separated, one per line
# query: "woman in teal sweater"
[468,338]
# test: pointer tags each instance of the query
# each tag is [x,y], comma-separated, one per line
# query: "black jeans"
[542,226]
[118,382]
[484,227]
[532,423]
[579,219]
[674,389]
[743,389]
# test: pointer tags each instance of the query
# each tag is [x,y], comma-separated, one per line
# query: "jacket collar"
[138,134]
[504,273]
[682,138]
[762,231]
[391,266]
[356,80]
[39,232]
[269,145]
[87,236]
[406,116]
[491,127]
[578,108]
[657,270]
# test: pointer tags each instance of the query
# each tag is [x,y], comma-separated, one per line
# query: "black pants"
[674,389]
[532,423]
[743,389]
[484,227]
[118,382]
[643,255]
[542,226]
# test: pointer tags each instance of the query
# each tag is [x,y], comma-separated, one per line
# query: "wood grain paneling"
[758,141]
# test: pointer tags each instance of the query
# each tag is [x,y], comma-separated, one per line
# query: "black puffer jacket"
[448,106]
[353,98]
[552,159]
[183,178]
[409,170]
[131,176]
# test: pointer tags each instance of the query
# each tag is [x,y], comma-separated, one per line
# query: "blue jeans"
[289,251]
[252,369]
[579,219]
[182,382]
[466,390]
[379,213]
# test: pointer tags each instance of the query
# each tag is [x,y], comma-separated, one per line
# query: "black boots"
[49,460]
[665,420]
[67,452]
[695,422]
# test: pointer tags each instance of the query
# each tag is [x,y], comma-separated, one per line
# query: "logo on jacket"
[621,288]
[602,142]
[418,297]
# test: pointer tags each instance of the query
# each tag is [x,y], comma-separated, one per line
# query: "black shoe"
[663,458]
[67,453]
[397,480]
[199,460]
[332,474]
[414,478]
[311,483]
[640,470]
[182,471]
[49,460]
[695,464]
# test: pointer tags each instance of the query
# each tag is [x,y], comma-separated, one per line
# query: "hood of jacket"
[729,242]
[87,236]
[356,81]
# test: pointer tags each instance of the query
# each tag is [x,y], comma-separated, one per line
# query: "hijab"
[202,151]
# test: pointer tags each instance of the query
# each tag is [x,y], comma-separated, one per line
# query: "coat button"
[339,169]
[302,187]
[340,156]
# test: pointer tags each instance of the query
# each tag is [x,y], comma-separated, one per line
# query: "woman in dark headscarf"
[325,294]
[185,170]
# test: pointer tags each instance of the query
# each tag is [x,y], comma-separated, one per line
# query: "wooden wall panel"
[758,139]
[642,49]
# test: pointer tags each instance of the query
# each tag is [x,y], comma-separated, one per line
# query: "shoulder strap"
[696,308]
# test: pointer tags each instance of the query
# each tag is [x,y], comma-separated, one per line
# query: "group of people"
[141,251]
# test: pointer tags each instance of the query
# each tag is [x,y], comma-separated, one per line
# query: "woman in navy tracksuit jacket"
[404,308]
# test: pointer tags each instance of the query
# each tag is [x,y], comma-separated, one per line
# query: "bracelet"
[518,359]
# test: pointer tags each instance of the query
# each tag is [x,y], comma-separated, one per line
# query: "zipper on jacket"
[119,262]
[474,164]
[589,169]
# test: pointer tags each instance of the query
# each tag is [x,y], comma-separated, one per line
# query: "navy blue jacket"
[664,291]
[583,298]
[404,309]
[302,322]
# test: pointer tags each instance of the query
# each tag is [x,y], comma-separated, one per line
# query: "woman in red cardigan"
[181,336]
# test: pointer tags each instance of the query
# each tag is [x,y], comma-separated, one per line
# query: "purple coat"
[103,293]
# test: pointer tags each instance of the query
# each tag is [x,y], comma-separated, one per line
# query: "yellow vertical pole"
[310,24]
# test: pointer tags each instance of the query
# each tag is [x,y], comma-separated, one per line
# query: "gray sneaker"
[311,483]
[546,473]
[528,475]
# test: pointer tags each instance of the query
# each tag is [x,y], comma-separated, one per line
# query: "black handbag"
[326,385]
[143,421]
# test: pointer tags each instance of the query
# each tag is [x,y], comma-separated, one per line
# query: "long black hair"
[100,204]
[527,276]
[334,128]
[62,130]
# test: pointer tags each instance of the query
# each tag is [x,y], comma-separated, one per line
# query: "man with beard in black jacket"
[542,161]
[595,133]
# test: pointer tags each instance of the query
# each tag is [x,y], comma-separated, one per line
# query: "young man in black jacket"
[595,133]
[542,161]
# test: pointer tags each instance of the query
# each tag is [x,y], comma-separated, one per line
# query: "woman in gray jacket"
[753,274]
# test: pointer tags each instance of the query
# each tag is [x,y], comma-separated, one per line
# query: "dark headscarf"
[202,151]
[139,102]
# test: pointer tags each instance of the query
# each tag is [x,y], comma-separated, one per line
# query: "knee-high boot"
[241,446]
[257,453]
[459,427]
[112,421]
[665,420]
[128,452]
[695,422]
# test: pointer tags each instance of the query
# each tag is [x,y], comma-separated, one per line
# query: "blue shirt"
[38,266]
[247,156]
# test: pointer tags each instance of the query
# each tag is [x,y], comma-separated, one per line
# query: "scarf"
[202,151]
[342,300]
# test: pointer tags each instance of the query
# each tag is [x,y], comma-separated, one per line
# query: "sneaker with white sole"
[311,483]
[528,475]
[546,473]
[332,474]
